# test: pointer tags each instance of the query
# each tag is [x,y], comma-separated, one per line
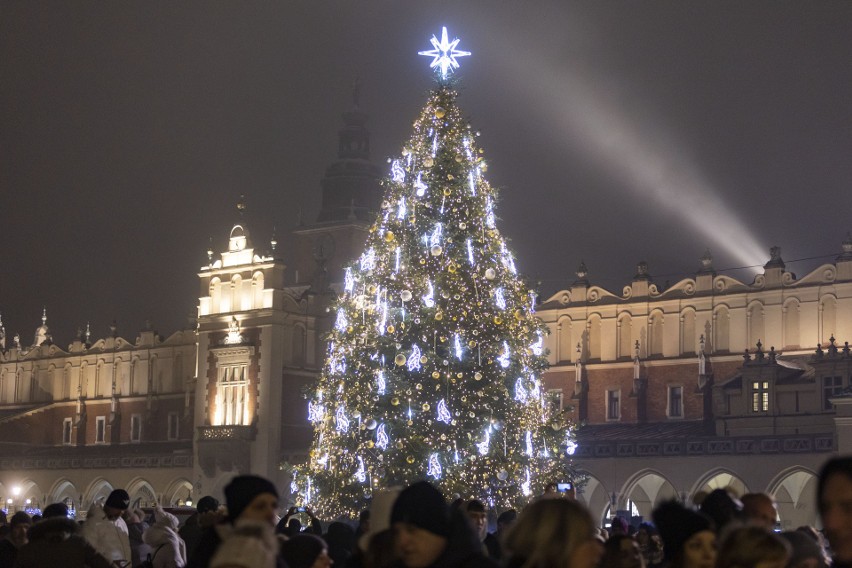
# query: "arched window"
[236,293]
[298,357]
[721,330]
[756,329]
[828,307]
[215,295]
[656,332]
[257,290]
[687,332]
[625,336]
[566,344]
[594,340]
[791,324]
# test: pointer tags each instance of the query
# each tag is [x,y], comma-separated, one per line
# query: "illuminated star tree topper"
[444,54]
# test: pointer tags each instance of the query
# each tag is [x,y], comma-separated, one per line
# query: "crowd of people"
[415,527]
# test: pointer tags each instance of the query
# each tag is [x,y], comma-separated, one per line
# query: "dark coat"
[464,549]
[56,542]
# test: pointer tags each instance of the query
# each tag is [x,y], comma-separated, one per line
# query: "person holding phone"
[106,530]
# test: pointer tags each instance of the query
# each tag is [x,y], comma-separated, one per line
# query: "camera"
[564,487]
[300,509]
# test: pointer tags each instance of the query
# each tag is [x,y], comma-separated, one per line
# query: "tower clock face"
[324,247]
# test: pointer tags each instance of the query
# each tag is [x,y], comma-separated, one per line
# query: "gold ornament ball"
[349,329]
[490,274]
[451,177]
[440,112]
[399,359]
[369,444]
[418,386]
[439,316]
[477,376]
[462,226]
[442,338]
[436,375]
[410,459]
[458,159]
[519,315]
[426,407]
[452,268]
[410,423]
[389,236]
[447,191]
[371,288]
[422,261]
[399,445]
[391,330]
[395,401]
[405,295]
[471,343]
[436,250]
[498,320]
[459,375]
[428,162]
[423,359]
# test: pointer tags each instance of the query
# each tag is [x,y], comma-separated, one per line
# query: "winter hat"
[20,518]
[301,550]
[207,504]
[165,519]
[118,499]
[242,490]
[677,524]
[422,506]
[722,507]
[804,547]
[55,510]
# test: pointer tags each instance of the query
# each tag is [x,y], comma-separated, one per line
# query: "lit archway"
[718,479]
[794,491]
[644,491]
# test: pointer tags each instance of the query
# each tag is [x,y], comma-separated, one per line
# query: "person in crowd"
[428,533]
[206,515]
[504,522]
[475,511]
[805,552]
[618,525]
[753,547]
[622,551]
[722,508]
[650,545]
[56,541]
[167,549]
[19,524]
[306,551]
[552,532]
[340,539]
[834,501]
[818,538]
[290,524]
[688,537]
[252,500]
[363,524]
[136,527]
[375,547]
[107,531]
[759,510]
[249,543]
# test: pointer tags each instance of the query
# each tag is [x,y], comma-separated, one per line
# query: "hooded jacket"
[167,548]
[110,538]
[56,541]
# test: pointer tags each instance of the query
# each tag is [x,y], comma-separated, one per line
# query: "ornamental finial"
[444,54]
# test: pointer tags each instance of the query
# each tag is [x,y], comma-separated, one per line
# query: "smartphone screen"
[563,487]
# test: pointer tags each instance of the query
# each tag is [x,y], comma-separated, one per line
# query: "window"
[231,395]
[66,432]
[174,424]
[136,428]
[675,406]
[555,399]
[613,405]
[831,386]
[760,396]
[100,429]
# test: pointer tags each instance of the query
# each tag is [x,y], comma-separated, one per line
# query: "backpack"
[149,562]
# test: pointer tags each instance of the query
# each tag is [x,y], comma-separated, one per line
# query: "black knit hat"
[118,499]
[677,524]
[20,518]
[422,506]
[301,550]
[207,504]
[242,490]
[55,510]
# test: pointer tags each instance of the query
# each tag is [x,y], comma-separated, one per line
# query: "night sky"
[617,132]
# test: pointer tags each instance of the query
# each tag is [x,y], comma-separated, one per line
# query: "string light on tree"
[432,339]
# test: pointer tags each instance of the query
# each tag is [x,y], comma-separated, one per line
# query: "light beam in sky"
[638,155]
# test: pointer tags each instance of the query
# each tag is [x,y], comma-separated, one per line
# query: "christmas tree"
[434,363]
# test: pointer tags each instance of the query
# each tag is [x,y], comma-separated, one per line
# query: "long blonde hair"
[547,533]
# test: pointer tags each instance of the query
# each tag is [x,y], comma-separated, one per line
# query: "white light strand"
[396,266]
[382,438]
[458,347]
[419,186]
[467,150]
[470,252]
[503,359]
[316,412]
[444,412]
[535,391]
[435,145]
[435,239]
[400,214]
[341,421]
[538,346]
[489,214]
[483,445]
[434,469]
[499,299]
[380,383]
[471,183]
[570,444]
[361,472]
[342,322]
[368,260]
[429,298]
[532,301]
[294,487]
[348,281]
[413,362]
[384,319]
[526,485]
[529,444]
[397,172]
[520,391]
